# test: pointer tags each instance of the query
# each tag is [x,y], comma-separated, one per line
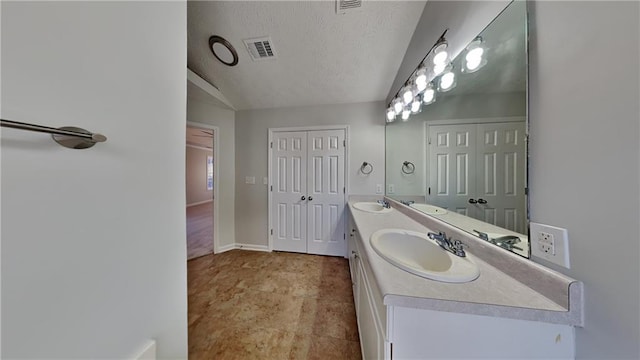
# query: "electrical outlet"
[265,180]
[379,189]
[250,180]
[392,188]
[551,243]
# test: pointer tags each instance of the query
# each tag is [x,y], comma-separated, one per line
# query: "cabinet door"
[371,334]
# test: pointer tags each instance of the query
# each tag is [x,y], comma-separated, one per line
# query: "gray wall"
[205,113]
[196,175]
[584,158]
[93,241]
[366,121]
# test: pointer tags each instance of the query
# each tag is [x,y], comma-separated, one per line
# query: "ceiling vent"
[260,48]
[343,5]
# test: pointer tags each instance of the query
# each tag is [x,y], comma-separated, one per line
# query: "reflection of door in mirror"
[475,169]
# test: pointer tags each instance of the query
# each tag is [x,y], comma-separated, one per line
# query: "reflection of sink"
[416,253]
[429,209]
[372,207]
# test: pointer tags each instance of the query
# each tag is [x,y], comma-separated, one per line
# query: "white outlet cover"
[560,255]
[379,189]
[392,188]
[250,180]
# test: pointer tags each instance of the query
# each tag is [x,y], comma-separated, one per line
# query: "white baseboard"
[253,247]
[200,203]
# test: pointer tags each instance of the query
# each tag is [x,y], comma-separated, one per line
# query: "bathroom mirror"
[462,159]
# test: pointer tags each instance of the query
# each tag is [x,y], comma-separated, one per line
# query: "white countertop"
[493,293]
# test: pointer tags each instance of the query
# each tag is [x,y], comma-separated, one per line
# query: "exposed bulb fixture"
[421,79]
[407,95]
[440,54]
[415,106]
[391,115]
[397,105]
[474,59]
[429,95]
[447,81]
[405,114]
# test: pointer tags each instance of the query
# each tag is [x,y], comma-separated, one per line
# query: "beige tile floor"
[199,230]
[257,305]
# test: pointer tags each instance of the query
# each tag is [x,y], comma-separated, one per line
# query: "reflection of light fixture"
[223,50]
[474,59]
[429,95]
[407,95]
[405,114]
[440,54]
[447,81]
[415,105]
[421,79]
[391,114]
[397,105]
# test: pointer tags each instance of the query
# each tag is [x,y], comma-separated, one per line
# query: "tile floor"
[257,305]
[199,230]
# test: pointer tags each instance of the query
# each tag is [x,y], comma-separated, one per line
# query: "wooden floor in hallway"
[199,230]
[259,305]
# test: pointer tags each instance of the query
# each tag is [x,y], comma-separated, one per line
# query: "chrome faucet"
[384,203]
[453,246]
[409,202]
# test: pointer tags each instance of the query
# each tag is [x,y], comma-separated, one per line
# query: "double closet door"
[308,192]
[478,170]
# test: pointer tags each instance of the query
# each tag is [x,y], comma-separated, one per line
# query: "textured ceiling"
[322,57]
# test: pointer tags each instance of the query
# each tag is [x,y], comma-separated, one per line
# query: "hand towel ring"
[363,168]
[408,167]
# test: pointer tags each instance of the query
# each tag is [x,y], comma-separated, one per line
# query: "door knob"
[482,201]
[310,198]
[303,198]
[473,201]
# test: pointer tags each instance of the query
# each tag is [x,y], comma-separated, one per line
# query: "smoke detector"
[343,5]
[260,48]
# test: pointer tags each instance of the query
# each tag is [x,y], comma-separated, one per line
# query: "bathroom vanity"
[513,309]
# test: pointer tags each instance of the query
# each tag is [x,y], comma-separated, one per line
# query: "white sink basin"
[429,209]
[416,253]
[372,207]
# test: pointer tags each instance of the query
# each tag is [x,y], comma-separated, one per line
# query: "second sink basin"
[416,253]
[372,207]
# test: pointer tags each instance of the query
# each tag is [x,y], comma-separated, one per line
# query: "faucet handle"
[440,235]
[458,248]
[482,235]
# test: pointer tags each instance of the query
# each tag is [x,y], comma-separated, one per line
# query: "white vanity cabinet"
[371,312]
[401,331]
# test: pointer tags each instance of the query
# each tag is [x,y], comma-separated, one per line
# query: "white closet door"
[326,193]
[500,174]
[289,204]
[452,169]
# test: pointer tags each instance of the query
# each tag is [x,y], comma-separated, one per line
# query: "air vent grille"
[260,48]
[343,5]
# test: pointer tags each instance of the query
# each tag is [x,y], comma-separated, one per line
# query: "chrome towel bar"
[67,136]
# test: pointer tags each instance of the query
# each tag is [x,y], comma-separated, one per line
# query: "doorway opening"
[201,189]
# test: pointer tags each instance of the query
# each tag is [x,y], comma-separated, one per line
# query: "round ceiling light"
[223,50]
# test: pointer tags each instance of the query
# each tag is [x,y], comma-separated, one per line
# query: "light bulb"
[474,58]
[475,54]
[397,105]
[429,96]
[447,80]
[415,106]
[405,114]
[438,69]
[421,79]
[407,95]
[440,56]
[473,64]
[391,114]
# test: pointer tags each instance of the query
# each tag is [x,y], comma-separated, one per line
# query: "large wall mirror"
[462,159]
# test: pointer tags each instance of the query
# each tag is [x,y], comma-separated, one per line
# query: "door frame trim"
[271,131]
[216,178]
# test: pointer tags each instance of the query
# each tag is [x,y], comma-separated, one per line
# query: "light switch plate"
[550,243]
[265,181]
[250,180]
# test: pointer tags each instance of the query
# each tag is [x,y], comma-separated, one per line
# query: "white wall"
[196,175]
[366,121]
[584,158]
[202,112]
[93,241]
